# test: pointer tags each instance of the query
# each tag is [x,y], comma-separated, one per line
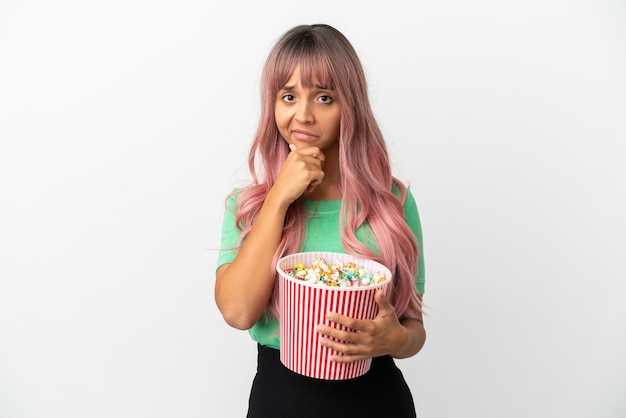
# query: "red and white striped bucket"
[304,305]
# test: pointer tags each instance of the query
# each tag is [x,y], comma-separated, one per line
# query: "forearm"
[244,287]
[414,338]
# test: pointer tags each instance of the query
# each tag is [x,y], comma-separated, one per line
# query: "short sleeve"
[412,217]
[230,234]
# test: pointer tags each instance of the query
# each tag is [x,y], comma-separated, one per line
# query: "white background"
[123,124]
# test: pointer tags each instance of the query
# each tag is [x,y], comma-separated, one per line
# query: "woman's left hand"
[368,338]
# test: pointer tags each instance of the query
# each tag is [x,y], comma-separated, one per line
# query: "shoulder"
[403,192]
[232,196]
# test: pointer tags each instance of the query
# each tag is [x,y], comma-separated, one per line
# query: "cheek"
[280,118]
[282,124]
[335,123]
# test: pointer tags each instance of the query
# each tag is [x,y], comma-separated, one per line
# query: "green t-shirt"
[322,234]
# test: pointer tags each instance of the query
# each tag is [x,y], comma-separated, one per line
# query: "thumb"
[292,147]
[382,301]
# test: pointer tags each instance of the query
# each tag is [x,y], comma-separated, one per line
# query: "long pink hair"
[326,57]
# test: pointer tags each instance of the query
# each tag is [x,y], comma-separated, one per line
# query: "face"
[307,116]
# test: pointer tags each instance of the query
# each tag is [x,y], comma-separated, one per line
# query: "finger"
[314,152]
[342,347]
[346,321]
[385,309]
[348,358]
[312,186]
[347,352]
[341,337]
[312,156]
[292,147]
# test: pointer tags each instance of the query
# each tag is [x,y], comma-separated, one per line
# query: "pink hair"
[326,57]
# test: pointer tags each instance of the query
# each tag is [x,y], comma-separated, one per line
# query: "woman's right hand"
[301,172]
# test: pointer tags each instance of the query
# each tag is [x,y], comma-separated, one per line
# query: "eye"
[288,98]
[325,99]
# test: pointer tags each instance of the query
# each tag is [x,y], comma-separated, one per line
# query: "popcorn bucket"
[303,305]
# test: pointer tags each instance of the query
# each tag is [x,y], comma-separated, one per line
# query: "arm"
[241,296]
[386,334]
[414,341]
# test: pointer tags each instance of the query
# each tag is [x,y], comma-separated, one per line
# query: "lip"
[303,135]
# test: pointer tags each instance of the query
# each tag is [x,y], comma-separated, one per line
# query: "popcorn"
[336,274]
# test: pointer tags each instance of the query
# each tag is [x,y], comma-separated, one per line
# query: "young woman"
[322,181]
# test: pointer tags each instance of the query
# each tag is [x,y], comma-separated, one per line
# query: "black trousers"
[277,392]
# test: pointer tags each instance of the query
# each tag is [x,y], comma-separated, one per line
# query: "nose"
[304,112]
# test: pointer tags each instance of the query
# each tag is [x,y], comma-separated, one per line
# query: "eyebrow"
[317,86]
